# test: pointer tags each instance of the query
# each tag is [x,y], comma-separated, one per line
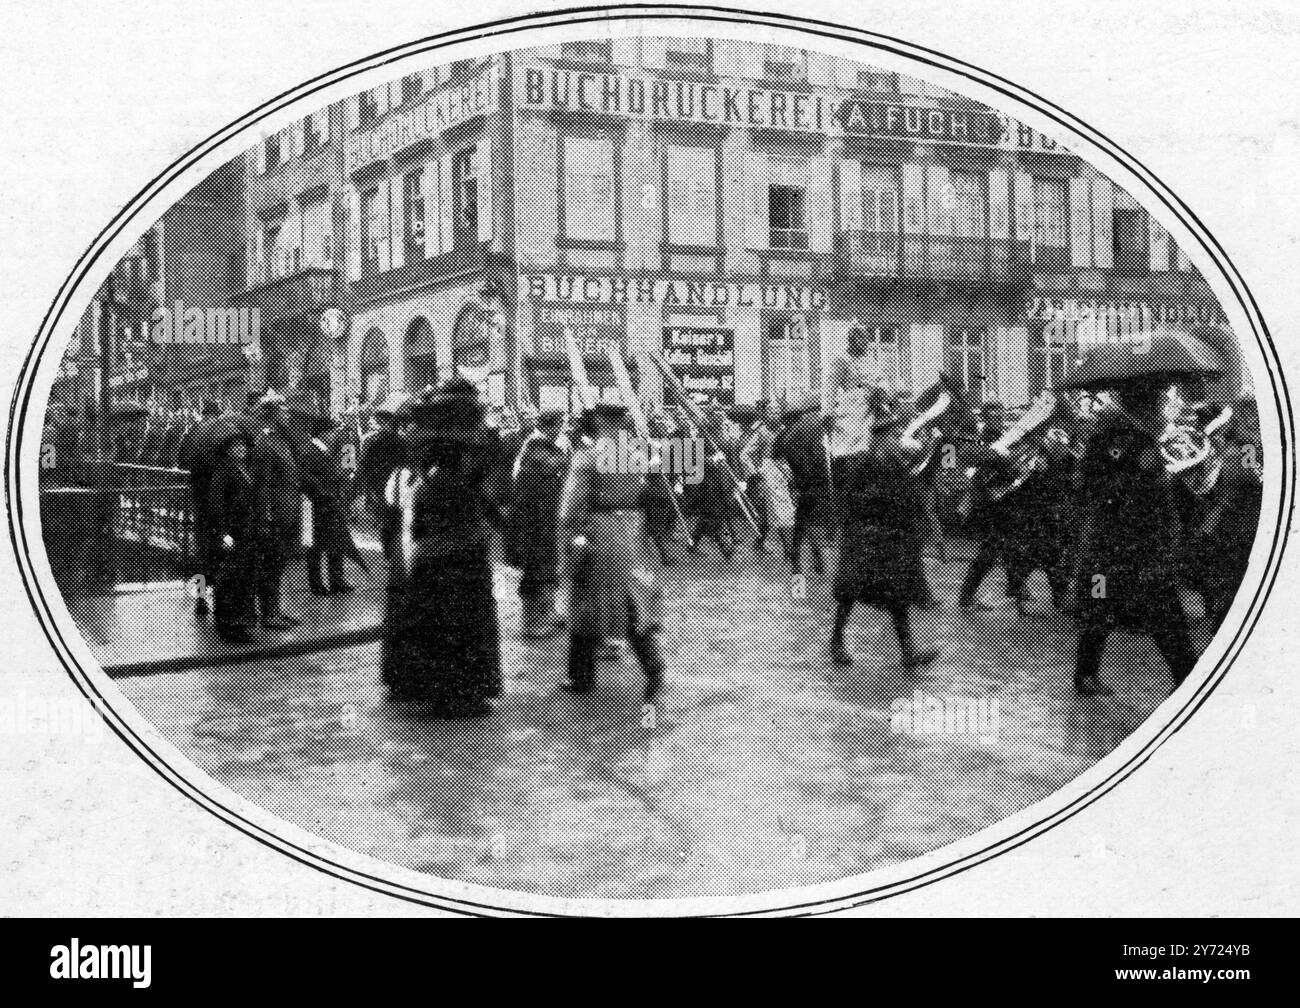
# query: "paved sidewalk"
[153,628]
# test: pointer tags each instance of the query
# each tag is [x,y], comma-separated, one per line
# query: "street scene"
[651,468]
[777,771]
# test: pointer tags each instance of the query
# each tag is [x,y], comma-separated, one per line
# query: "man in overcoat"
[612,569]
[278,513]
[531,542]
[1129,551]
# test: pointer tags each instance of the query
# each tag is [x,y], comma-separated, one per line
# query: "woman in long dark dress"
[441,645]
[881,513]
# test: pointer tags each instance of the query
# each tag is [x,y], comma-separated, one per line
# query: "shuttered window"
[691,194]
[318,234]
[1051,213]
[590,200]
[374,229]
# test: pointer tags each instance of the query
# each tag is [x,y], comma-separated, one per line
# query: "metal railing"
[128,523]
[933,257]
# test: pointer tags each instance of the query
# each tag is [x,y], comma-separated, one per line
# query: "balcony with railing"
[890,255]
[286,289]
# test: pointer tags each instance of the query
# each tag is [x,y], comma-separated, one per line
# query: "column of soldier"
[1122,491]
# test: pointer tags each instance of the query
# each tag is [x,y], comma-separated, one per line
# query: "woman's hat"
[453,405]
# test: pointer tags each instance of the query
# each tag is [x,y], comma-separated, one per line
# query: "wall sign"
[649,290]
[974,128]
[705,360]
[646,96]
[437,114]
[593,328]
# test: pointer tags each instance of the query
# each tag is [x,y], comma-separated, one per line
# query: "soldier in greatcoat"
[612,569]
[882,530]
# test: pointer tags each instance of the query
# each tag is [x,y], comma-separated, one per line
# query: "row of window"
[303,139]
[764,61]
[775,63]
[435,207]
[299,238]
[956,203]
[365,111]
[309,135]
[970,355]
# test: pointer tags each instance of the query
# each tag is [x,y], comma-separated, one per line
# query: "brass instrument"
[1183,446]
[1025,456]
[911,440]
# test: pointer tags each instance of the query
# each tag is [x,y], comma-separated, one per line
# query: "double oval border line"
[22,490]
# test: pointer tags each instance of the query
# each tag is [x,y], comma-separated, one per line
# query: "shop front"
[729,341]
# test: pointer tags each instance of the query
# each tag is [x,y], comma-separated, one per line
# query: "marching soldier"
[802,445]
[716,510]
[882,532]
[612,569]
[766,482]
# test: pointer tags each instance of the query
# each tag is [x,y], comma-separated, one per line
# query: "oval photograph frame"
[73,297]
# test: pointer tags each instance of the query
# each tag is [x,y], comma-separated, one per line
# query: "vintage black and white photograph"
[645,466]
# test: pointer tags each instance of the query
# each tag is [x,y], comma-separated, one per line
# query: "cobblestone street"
[772,768]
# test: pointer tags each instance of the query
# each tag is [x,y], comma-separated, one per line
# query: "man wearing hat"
[531,544]
[329,491]
[1221,499]
[881,512]
[802,444]
[1129,549]
[383,452]
[198,453]
[277,514]
[612,569]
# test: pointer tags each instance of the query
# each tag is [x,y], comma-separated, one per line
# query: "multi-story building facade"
[738,206]
[122,358]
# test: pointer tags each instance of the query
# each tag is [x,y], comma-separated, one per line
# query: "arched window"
[373,365]
[421,355]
